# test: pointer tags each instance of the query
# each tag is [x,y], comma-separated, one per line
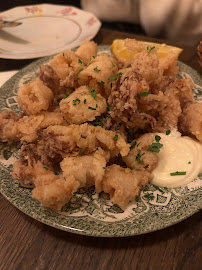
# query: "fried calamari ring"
[34,97]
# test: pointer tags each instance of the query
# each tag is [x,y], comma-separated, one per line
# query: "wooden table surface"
[28,244]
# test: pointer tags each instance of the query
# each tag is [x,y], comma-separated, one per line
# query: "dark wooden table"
[28,244]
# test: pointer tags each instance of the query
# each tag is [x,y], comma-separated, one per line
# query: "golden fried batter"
[99,71]
[61,141]
[8,126]
[123,184]
[87,51]
[139,158]
[190,122]
[34,97]
[15,127]
[56,194]
[83,105]
[87,169]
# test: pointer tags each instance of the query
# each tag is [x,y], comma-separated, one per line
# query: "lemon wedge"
[121,52]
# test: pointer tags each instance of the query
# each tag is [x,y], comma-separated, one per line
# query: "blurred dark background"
[119,26]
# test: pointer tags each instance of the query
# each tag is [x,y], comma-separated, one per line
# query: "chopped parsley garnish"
[177,173]
[79,71]
[90,108]
[137,198]
[113,78]
[113,64]
[92,57]
[168,132]
[97,70]
[96,106]
[102,83]
[143,94]
[46,168]
[84,101]
[116,137]
[189,162]
[155,147]
[150,48]
[80,152]
[93,92]
[139,155]
[133,145]
[132,131]
[76,101]
[149,196]
[157,138]
[178,76]
[108,107]
[66,95]
[56,173]
[63,54]
[131,168]
[99,122]
[80,61]
[138,144]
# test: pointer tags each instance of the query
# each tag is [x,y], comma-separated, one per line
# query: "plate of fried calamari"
[101,146]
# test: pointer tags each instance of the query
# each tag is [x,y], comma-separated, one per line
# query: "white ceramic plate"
[45,30]
[88,213]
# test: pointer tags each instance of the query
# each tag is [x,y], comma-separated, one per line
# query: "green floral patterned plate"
[88,213]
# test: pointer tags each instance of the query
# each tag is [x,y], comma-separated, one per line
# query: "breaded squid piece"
[65,62]
[8,126]
[28,127]
[83,105]
[99,71]
[56,194]
[49,77]
[182,90]
[146,64]
[139,158]
[123,184]
[164,107]
[123,100]
[133,45]
[14,127]
[168,64]
[70,82]
[168,117]
[87,169]
[190,121]
[34,97]
[161,84]
[58,142]
[87,50]
[51,190]
[28,167]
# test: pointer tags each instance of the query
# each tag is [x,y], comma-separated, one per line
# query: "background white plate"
[45,30]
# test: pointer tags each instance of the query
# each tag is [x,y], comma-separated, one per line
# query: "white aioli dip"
[178,154]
